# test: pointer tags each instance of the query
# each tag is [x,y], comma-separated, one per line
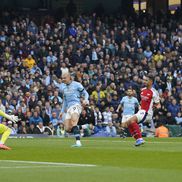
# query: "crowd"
[106,54]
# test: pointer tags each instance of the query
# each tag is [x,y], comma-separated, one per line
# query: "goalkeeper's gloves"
[13,118]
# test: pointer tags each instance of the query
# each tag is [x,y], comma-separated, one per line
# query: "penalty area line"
[49,163]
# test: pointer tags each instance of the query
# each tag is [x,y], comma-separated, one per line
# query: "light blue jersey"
[129,104]
[72,93]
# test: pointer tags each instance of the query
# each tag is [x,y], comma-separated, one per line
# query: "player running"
[74,96]
[149,100]
[128,103]
[5,131]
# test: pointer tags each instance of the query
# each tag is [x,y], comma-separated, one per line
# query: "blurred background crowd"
[107,54]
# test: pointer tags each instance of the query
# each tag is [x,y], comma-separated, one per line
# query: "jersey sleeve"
[63,106]
[156,97]
[61,87]
[80,87]
[82,91]
[56,83]
[122,101]
[136,102]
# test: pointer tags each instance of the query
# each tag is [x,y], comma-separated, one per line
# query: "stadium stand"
[107,54]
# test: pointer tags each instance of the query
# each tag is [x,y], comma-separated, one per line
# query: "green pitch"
[99,160]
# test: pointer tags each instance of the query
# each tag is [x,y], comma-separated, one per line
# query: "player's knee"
[74,117]
[75,129]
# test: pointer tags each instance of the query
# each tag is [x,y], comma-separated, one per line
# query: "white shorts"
[143,116]
[73,109]
[125,118]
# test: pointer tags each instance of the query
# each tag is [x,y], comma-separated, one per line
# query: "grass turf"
[116,160]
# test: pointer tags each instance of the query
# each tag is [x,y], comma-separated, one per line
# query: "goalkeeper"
[5,131]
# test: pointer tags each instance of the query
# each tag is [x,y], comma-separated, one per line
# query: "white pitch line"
[121,140]
[25,167]
[125,141]
[49,163]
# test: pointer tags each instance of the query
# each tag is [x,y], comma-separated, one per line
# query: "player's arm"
[63,109]
[10,117]
[119,107]
[85,95]
[157,105]
[55,82]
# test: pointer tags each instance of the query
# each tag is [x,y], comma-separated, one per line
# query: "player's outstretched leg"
[4,147]
[5,135]
[134,130]
[76,132]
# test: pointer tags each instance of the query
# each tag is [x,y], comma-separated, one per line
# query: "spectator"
[22,128]
[48,109]
[72,30]
[60,130]
[178,118]
[32,103]
[161,131]
[98,95]
[117,54]
[107,116]
[99,130]
[54,120]
[31,129]
[32,28]
[35,119]
[51,59]
[29,62]
[115,101]
[173,108]
[41,129]
[56,95]
[20,115]
[45,117]
[13,127]
[148,53]
[158,57]
[111,130]
[98,115]
[169,119]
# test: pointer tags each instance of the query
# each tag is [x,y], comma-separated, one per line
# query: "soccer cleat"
[76,145]
[139,142]
[4,147]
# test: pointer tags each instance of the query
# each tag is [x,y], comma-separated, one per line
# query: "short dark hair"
[151,77]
